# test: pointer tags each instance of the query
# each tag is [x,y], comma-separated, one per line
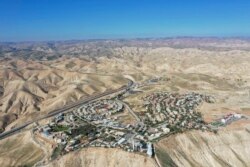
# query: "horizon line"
[130,38]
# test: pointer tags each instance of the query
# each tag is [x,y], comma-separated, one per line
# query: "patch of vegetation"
[175,129]
[216,123]
[57,151]
[59,128]
[83,130]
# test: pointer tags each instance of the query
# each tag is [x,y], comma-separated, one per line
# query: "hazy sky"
[81,19]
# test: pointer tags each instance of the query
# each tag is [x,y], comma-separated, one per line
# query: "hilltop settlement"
[97,123]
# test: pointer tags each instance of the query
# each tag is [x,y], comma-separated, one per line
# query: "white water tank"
[223,121]
[150,149]
[237,116]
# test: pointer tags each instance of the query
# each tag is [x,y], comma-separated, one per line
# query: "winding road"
[66,108]
[130,110]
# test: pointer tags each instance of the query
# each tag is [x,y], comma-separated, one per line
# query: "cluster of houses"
[227,119]
[95,125]
[127,140]
[99,111]
[157,132]
[61,130]
[176,111]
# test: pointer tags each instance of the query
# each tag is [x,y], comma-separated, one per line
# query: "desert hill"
[103,157]
[19,151]
[38,88]
[228,148]
[36,78]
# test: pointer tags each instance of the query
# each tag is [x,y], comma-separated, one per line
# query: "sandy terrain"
[227,148]
[93,157]
[19,150]
[31,91]
[46,81]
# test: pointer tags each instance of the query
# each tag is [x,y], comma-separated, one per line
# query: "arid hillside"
[19,150]
[195,149]
[103,157]
[36,78]
[34,88]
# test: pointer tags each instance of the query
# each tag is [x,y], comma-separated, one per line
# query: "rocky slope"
[100,157]
[38,77]
[34,88]
[19,150]
[196,149]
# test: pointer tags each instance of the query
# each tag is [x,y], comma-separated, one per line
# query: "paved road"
[64,109]
[130,110]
